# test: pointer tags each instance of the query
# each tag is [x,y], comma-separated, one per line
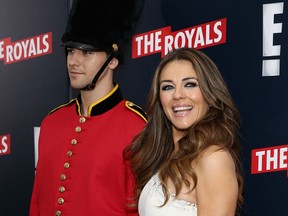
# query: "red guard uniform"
[81,171]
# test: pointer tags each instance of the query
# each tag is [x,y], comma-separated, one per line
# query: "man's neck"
[91,96]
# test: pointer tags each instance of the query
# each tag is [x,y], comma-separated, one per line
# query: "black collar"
[104,104]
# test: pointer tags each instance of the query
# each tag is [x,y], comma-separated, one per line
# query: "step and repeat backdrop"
[247,40]
[33,80]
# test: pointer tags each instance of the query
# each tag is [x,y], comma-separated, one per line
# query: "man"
[80,170]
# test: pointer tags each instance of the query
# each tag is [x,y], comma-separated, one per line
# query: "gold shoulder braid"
[137,109]
[61,106]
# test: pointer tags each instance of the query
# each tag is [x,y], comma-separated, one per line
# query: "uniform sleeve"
[33,203]
[130,187]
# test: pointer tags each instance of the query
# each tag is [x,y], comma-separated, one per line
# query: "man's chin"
[77,87]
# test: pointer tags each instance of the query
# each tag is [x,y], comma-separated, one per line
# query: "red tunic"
[80,170]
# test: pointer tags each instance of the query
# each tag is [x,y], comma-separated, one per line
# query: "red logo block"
[269,159]
[4,144]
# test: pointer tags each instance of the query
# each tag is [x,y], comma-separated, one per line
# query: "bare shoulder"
[217,188]
[213,159]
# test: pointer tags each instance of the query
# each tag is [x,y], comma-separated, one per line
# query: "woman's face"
[180,95]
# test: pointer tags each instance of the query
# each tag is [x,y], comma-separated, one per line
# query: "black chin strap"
[93,83]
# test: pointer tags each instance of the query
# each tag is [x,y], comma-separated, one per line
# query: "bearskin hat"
[101,25]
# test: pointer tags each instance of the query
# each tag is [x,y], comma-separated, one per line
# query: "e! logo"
[271,52]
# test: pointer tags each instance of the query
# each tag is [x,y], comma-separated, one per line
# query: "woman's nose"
[179,93]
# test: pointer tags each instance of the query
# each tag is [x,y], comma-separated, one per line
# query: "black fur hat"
[102,25]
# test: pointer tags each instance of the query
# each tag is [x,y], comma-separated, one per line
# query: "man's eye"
[85,52]
[69,50]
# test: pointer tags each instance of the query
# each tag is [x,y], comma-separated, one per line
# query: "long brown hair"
[151,150]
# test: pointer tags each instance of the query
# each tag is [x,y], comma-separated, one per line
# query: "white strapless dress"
[152,197]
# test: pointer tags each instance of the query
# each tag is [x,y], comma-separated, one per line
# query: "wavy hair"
[151,150]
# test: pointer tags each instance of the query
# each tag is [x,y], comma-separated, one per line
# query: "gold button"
[115,47]
[73,141]
[58,213]
[69,153]
[66,165]
[60,201]
[78,129]
[82,120]
[62,177]
[62,189]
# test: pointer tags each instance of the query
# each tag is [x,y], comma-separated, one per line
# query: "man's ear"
[113,63]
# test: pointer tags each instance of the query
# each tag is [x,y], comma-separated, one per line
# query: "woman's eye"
[166,87]
[191,84]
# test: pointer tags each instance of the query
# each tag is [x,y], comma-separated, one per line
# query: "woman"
[186,159]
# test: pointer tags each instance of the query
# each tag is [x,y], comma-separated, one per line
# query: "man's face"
[83,65]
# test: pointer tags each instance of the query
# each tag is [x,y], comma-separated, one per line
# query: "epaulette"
[71,101]
[137,109]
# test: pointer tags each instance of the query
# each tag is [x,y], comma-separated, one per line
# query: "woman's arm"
[217,187]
